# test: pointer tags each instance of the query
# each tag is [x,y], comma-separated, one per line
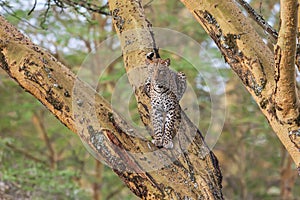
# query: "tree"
[39,73]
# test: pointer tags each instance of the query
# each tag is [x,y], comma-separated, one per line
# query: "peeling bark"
[254,63]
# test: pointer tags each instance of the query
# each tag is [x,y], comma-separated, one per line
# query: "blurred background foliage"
[42,159]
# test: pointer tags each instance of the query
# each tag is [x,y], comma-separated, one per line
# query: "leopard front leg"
[172,120]
[157,116]
[169,129]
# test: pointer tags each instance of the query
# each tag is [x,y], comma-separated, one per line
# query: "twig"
[10,11]
[258,19]
[87,5]
[97,184]
[41,128]
[260,6]
[26,154]
[32,9]
[42,24]
[148,4]
[115,192]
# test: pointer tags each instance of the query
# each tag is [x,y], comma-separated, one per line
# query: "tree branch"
[26,154]
[87,5]
[286,96]
[252,61]
[137,39]
[298,42]
[39,125]
[259,19]
[97,185]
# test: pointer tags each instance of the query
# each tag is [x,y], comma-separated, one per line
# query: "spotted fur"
[165,88]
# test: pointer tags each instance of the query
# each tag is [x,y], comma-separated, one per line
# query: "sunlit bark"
[251,59]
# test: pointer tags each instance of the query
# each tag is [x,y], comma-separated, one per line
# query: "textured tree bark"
[298,39]
[137,40]
[286,94]
[190,174]
[254,63]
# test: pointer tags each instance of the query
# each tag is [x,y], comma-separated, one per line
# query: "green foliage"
[36,178]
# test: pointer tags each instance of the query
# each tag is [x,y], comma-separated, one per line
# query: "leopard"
[165,87]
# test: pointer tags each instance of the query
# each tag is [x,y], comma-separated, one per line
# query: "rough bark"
[298,39]
[192,173]
[137,39]
[286,95]
[254,63]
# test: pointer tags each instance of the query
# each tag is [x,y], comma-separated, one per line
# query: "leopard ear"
[150,55]
[166,62]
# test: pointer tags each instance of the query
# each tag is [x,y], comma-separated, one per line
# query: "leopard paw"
[168,144]
[157,142]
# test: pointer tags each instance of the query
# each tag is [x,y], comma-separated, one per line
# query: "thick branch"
[286,96]
[298,41]
[137,39]
[250,58]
